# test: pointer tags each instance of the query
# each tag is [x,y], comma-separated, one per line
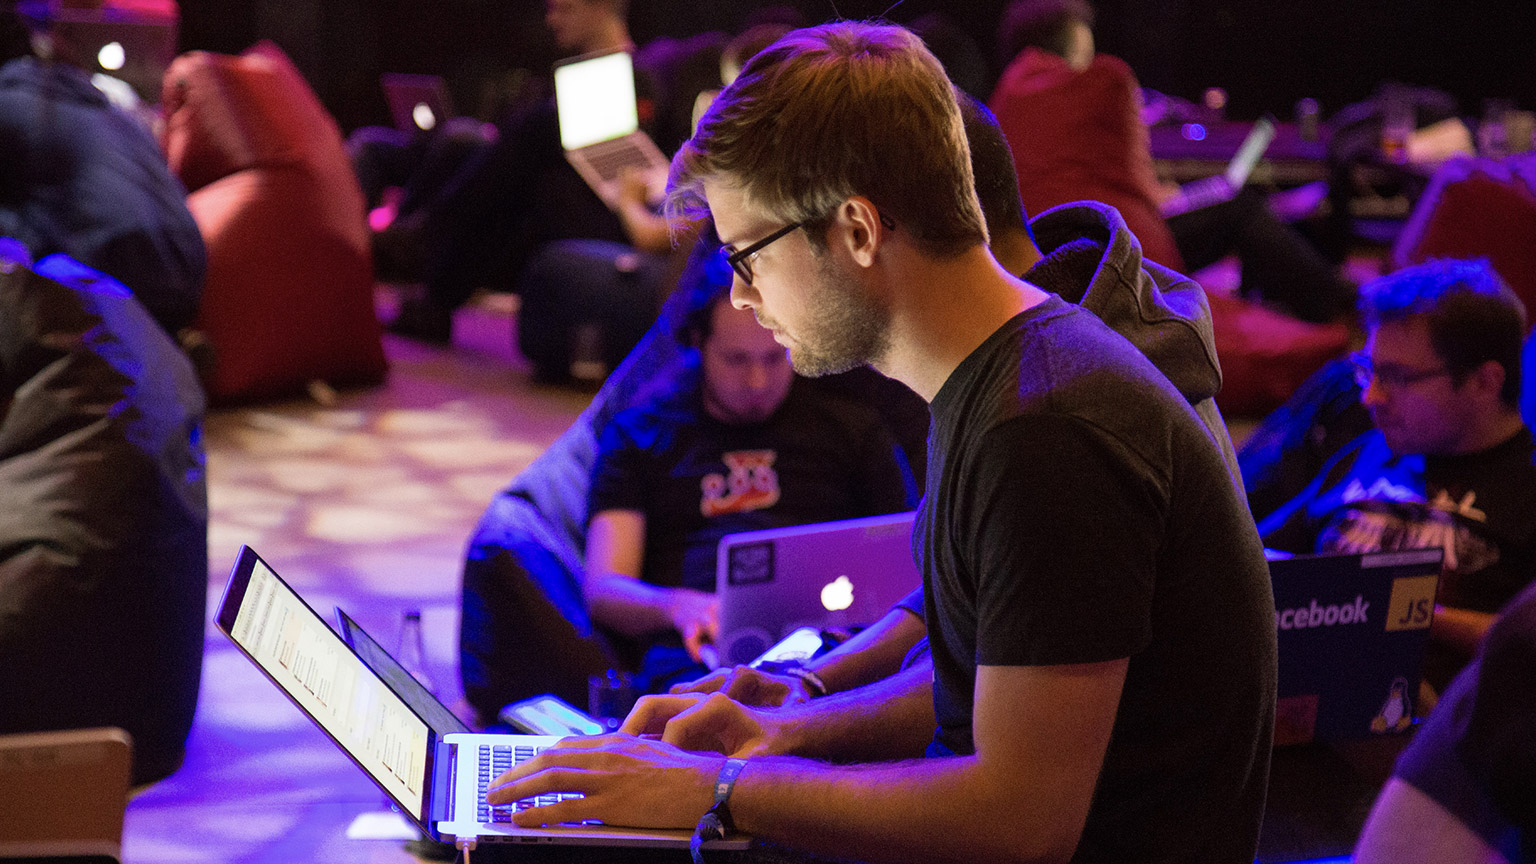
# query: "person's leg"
[1279,266]
[382,157]
[470,225]
[593,298]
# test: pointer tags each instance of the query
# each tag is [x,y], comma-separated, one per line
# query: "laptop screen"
[384,665]
[595,99]
[310,663]
[1250,152]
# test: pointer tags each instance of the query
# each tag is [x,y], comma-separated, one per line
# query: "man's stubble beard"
[849,328]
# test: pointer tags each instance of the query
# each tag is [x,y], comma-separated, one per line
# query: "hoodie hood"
[1093,259]
[1161,312]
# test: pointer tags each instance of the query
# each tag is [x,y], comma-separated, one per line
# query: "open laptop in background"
[1351,631]
[600,123]
[417,103]
[62,795]
[399,679]
[543,715]
[437,780]
[1222,187]
[827,575]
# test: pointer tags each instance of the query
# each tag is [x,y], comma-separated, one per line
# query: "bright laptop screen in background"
[595,99]
[311,663]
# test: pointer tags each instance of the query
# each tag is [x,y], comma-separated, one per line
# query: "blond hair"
[829,112]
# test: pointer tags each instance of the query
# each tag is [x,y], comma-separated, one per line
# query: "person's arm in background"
[1407,826]
[620,601]
[1460,629]
[648,230]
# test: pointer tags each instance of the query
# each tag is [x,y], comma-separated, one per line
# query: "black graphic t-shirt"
[820,457]
[1479,507]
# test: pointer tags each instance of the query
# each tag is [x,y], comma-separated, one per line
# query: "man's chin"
[814,366]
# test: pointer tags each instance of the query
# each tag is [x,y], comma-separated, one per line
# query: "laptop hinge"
[444,782]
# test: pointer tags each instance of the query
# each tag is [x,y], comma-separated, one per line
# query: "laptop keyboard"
[497,759]
[610,158]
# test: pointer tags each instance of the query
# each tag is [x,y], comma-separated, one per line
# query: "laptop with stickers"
[828,575]
[1351,631]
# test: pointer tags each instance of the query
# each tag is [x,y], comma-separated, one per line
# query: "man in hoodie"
[1091,258]
[1097,600]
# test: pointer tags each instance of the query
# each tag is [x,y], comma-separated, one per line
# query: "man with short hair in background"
[1449,463]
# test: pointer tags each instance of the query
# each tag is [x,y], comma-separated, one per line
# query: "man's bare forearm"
[875,653]
[890,719]
[919,810]
[1460,629]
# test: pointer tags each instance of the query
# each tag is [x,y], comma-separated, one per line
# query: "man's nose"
[743,296]
[1373,393]
[757,376]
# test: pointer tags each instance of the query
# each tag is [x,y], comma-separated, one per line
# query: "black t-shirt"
[820,457]
[1369,497]
[1077,511]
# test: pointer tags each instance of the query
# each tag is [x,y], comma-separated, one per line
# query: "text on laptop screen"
[311,663]
[595,99]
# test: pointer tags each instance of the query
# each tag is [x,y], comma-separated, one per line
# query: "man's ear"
[858,228]
[1488,378]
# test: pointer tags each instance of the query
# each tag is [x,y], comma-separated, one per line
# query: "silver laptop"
[417,103]
[1220,188]
[600,123]
[828,575]
[437,780]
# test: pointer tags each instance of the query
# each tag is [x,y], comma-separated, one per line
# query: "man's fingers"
[542,781]
[694,639]
[652,713]
[706,684]
[571,810]
[751,687]
[715,723]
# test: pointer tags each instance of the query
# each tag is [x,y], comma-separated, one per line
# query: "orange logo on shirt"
[751,485]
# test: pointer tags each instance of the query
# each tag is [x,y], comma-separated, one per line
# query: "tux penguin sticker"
[1397,712]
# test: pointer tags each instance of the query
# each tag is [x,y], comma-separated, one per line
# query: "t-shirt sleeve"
[1069,523]
[1432,765]
[621,475]
[913,603]
[1499,745]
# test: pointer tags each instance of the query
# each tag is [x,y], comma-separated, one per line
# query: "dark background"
[1266,54]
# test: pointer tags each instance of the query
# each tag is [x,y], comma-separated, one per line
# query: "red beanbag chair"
[1478,208]
[1265,355]
[289,293]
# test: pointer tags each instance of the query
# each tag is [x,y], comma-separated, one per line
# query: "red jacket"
[1079,136]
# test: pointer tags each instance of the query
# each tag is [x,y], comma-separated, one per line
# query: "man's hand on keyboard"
[624,780]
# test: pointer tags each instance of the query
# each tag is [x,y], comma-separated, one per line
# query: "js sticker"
[1412,603]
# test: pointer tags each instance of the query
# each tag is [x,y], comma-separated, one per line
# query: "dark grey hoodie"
[1093,259]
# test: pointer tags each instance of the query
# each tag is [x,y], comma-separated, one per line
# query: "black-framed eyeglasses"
[741,259]
[1390,375]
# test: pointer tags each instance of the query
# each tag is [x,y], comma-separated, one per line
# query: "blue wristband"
[716,821]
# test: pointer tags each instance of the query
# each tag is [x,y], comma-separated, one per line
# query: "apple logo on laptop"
[837,595]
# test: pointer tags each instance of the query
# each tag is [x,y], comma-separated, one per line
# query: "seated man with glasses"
[1450,461]
[737,443]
